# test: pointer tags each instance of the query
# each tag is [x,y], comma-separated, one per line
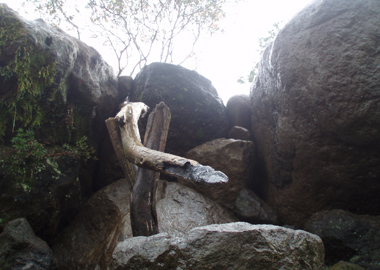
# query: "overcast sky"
[227,56]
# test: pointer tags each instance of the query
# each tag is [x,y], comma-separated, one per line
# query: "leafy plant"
[27,158]
[138,32]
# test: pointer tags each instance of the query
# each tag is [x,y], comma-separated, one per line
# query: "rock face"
[21,249]
[316,117]
[348,237]
[68,86]
[227,246]
[232,157]
[91,237]
[62,89]
[198,114]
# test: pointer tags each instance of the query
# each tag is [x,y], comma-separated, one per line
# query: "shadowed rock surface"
[239,111]
[234,158]
[91,237]
[316,117]
[226,246]
[62,89]
[250,208]
[21,249]
[198,114]
[348,237]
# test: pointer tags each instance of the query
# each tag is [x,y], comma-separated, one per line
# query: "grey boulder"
[228,246]
[316,118]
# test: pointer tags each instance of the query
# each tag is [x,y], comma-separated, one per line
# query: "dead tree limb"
[143,211]
[126,166]
[138,154]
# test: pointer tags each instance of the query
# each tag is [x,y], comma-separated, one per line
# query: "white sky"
[227,56]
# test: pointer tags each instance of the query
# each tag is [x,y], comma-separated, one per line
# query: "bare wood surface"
[126,166]
[143,210]
[138,154]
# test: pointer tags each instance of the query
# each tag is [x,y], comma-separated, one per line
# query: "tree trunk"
[143,210]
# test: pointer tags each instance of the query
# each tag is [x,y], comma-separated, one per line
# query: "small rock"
[252,209]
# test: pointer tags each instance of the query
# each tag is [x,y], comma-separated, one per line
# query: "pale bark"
[138,154]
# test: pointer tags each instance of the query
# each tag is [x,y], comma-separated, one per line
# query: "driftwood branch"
[126,166]
[143,210]
[138,154]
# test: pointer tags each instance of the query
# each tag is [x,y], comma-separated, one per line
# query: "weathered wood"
[138,154]
[126,166]
[143,211]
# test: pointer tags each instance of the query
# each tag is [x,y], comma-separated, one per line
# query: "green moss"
[31,98]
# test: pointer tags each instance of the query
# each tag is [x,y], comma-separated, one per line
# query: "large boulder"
[61,89]
[21,249]
[316,117]
[227,246]
[232,157]
[54,82]
[198,114]
[91,237]
[89,240]
[180,209]
[348,237]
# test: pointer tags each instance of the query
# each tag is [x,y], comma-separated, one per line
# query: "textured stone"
[232,157]
[91,237]
[180,209]
[61,89]
[198,114]
[250,208]
[21,249]
[316,117]
[227,246]
[348,237]
[84,90]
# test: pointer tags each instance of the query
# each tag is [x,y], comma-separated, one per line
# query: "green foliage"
[28,74]
[27,158]
[138,31]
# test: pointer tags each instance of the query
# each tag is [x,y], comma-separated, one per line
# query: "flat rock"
[227,246]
